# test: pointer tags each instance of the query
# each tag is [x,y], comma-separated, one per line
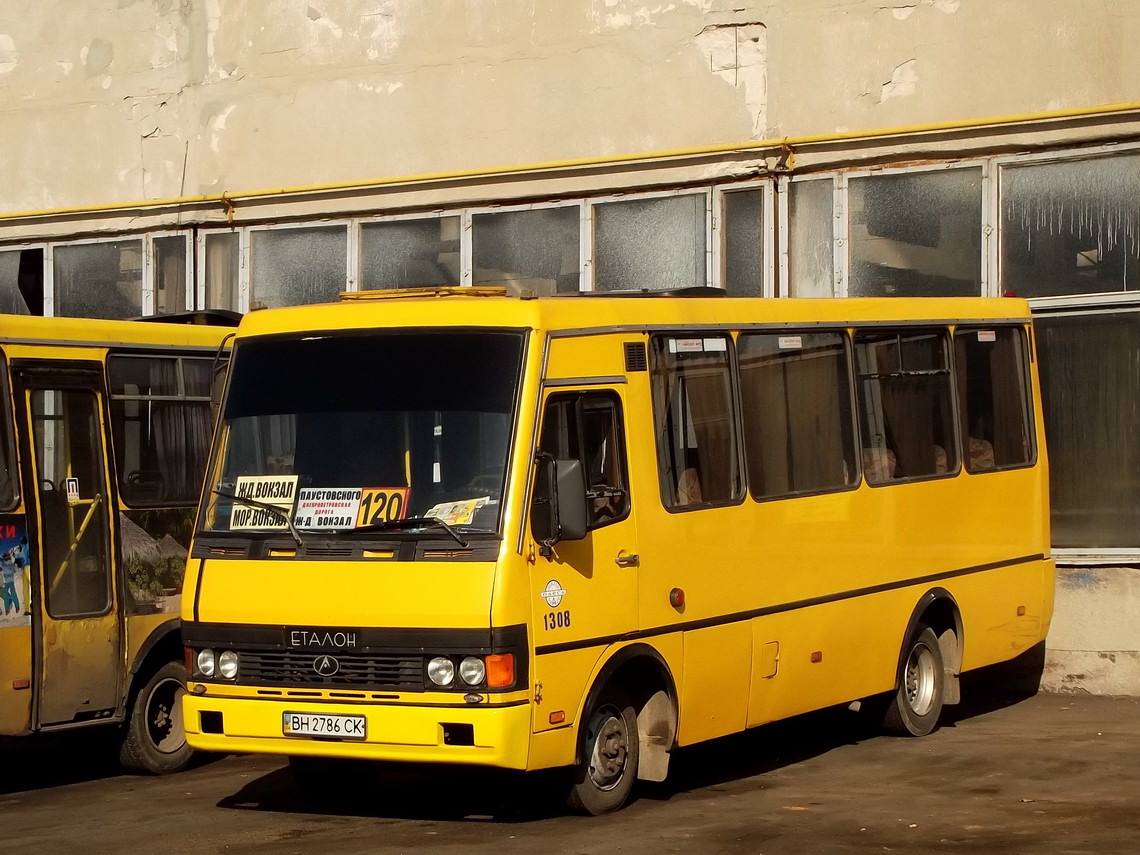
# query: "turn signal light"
[500,670]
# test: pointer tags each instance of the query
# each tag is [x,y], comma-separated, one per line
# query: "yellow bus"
[104,436]
[457,526]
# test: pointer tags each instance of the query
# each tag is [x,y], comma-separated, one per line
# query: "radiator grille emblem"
[326,666]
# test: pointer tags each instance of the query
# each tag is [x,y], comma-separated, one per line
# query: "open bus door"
[78,646]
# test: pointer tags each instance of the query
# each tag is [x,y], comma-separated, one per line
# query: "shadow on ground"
[66,757]
[449,793]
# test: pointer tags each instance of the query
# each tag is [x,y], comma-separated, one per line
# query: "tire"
[914,708]
[608,748]
[155,738]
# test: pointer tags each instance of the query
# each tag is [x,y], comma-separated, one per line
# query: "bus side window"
[694,420]
[905,405]
[795,392]
[994,397]
[588,427]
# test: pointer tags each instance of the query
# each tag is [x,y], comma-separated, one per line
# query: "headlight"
[206,662]
[228,664]
[472,670]
[441,671]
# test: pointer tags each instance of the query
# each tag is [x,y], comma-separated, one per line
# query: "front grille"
[356,670]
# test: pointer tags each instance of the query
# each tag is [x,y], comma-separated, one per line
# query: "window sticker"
[327,508]
[987,335]
[382,504]
[457,513]
[716,345]
[276,490]
[790,342]
[686,345]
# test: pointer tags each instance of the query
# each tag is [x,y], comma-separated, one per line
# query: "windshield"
[350,431]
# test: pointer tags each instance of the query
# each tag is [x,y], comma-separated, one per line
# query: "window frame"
[853,414]
[732,369]
[577,398]
[944,335]
[1027,364]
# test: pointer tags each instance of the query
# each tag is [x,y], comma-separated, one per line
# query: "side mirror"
[558,507]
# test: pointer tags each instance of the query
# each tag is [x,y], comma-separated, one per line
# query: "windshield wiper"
[411,522]
[279,512]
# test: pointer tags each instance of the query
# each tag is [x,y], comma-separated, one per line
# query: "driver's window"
[588,427]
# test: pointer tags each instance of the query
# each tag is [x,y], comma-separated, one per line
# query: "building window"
[905,410]
[811,254]
[410,253]
[695,420]
[1090,389]
[742,239]
[222,251]
[22,281]
[795,392]
[297,266]
[1071,227]
[98,280]
[916,234]
[170,274]
[655,243]
[537,250]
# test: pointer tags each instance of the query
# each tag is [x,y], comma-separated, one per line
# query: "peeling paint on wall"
[8,59]
[904,80]
[737,53]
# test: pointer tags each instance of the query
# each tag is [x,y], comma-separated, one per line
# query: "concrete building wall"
[123,100]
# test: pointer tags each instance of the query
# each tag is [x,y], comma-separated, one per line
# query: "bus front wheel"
[155,739]
[608,752]
[917,702]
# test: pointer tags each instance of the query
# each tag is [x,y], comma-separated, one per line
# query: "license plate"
[334,726]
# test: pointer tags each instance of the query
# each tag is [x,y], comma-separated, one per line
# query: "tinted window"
[993,391]
[904,405]
[796,399]
[694,420]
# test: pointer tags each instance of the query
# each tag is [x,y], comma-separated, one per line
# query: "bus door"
[587,589]
[79,650]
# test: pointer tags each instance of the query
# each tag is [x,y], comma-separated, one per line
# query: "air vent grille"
[635,356]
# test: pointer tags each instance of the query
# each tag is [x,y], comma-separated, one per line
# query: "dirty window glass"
[650,243]
[1090,389]
[916,234]
[291,267]
[811,264]
[99,280]
[170,274]
[1071,227]
[743,236]
[533,250]
[410,253]
[223,263]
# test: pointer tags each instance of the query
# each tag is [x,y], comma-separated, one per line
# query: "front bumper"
[400,732]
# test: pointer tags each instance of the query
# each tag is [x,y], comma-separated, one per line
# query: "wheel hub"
[609,753]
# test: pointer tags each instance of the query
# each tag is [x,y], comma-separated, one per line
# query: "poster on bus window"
[15,572]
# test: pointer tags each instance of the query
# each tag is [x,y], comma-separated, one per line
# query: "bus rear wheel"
[155,739]
[917,702]
[608,750]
